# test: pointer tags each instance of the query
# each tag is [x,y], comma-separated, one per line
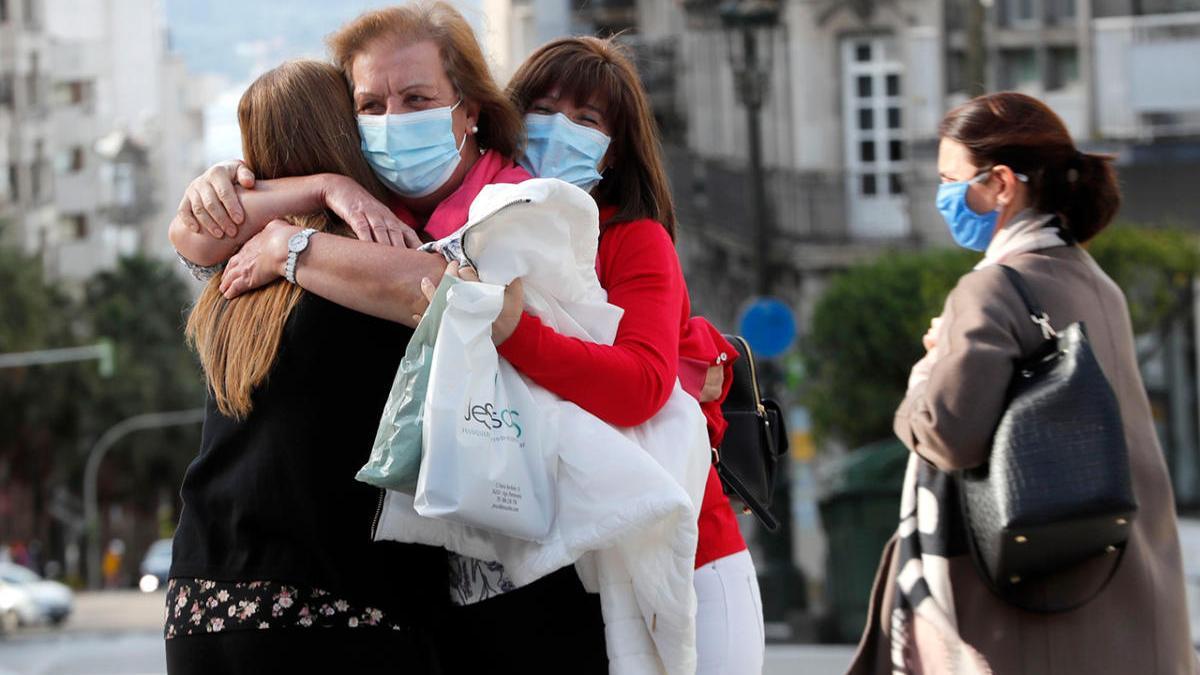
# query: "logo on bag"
[493,418]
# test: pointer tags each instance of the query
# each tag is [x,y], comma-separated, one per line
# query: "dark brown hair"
[501,127]
[296,120]
[586,67]
[1025,135]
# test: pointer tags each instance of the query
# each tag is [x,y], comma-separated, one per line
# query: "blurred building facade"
[26,188]
[855,94]
[514,28]
[104,129]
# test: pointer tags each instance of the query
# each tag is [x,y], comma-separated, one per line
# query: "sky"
[234,41]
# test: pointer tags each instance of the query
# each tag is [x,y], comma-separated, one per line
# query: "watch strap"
[289,269]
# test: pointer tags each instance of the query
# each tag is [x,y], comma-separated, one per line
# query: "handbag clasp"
[1043,322]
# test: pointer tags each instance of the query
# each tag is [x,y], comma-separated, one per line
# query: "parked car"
[155,566]
[15,602]
[39,601]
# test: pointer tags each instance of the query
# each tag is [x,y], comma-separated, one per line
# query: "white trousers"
[729,619]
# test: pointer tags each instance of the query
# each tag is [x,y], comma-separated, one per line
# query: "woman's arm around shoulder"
[628,382]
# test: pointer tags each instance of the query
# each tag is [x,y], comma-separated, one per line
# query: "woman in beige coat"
[1015,186]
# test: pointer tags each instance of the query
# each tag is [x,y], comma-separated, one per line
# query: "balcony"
[1146,79]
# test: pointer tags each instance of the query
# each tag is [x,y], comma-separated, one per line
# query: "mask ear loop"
[474,129]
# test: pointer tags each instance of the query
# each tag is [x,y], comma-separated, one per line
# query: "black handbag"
[1056,488]
[749,454]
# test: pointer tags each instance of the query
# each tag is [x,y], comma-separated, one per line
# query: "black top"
[273,497]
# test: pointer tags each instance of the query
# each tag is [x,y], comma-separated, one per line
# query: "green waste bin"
[860,508]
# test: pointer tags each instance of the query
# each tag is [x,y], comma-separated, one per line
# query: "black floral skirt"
[267,627]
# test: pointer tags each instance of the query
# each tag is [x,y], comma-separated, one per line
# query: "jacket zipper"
[498,209]
[762,410]
[378,513]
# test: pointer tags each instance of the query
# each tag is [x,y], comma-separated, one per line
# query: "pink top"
[451,214]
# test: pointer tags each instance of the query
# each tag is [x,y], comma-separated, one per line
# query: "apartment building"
[128,129]
[101,128]
[26,176]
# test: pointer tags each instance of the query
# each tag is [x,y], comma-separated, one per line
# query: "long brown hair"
[501,127]
[1025,135]
[586,67]
[296,120]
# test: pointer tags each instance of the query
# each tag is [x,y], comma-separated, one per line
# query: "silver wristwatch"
[297,243]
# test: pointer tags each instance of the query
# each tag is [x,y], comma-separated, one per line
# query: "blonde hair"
[501,126]
[296,120]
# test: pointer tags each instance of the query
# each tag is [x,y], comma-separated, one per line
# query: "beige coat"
[1139,624]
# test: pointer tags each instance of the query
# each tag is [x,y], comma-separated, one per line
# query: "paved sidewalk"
[808,659]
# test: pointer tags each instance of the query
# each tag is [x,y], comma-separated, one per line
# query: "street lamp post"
[744,23]
[91,472]
[742,19]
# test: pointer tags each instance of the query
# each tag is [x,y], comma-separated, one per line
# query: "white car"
[33,600]
[14,603]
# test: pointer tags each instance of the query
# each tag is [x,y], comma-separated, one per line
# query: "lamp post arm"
[91,472]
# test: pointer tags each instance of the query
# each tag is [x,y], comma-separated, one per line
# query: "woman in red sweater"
[589,123]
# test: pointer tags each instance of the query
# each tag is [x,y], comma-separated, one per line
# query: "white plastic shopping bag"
[486,462]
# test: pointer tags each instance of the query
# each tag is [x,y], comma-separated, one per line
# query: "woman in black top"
[274,565]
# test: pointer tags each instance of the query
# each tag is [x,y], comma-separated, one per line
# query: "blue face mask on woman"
[970,230]
[556,147]
[414,153]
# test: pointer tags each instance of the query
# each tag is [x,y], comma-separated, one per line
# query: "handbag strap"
[1036,313]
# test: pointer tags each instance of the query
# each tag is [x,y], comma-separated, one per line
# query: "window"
[31,81]
[77,159]
[1018,68]
[1064,68]
[866,119]
[6,89]
[864,86]
[956,72]
[893,85]
[78,92]
[77,225]
[866,151]
[14,183]
[1017,13]
[893,118]
[4,11]
[873,139]
[1060,11]
[868,184]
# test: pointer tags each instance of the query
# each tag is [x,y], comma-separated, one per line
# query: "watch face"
[297,242]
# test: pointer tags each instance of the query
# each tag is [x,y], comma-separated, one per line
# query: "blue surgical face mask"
[970,230]
[556,147]
[414,153]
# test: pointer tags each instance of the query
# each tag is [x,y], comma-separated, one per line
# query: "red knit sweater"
[627,383]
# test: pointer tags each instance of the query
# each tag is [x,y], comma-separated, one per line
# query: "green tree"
[866,329]
[50,415]
[39,415]
[140,307]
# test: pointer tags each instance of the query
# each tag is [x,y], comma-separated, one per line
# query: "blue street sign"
[769,326]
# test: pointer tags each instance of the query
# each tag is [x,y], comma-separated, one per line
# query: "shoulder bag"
[1056,488]
[748,457]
